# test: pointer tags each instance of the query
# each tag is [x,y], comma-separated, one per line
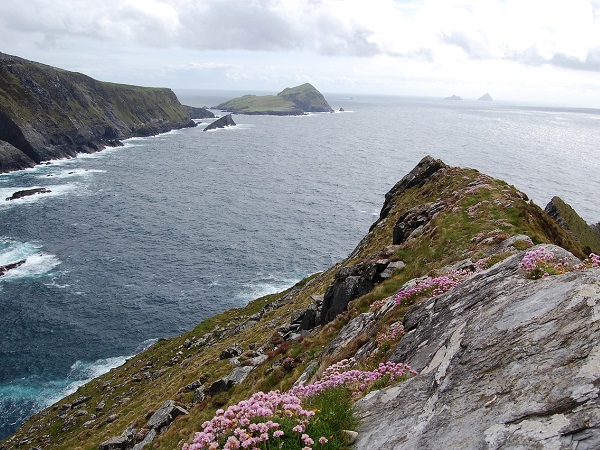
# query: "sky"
[530,51]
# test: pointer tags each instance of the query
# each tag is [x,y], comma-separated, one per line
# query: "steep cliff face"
[48,113]
[502,359]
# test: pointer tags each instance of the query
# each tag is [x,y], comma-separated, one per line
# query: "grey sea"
[145,241]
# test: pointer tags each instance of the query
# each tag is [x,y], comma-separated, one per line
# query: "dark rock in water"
[503,362]
[28,192]
[7,267]
[199,113]
[454,97]
[225,121]
[342,109]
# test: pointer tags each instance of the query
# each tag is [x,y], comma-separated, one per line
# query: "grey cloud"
[533,58]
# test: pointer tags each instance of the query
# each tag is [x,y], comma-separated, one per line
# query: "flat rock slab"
[504,362]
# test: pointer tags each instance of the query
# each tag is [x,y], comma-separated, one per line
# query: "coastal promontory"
[465,318]
[289,102]
[49,113]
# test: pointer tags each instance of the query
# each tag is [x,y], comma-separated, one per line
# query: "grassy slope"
[476,206]
[259,104]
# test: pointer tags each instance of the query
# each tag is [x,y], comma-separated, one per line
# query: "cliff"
[289,102]
[439,283]
[49,113]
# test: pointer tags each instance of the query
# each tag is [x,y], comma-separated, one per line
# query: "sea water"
[146,240]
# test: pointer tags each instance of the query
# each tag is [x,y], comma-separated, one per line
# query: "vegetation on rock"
[444,223]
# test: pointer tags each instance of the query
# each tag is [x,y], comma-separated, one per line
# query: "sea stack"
[225,121]
[486,97]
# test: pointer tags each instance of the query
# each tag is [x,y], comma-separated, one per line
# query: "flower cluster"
[391,334]
[379,303]
[541,262]
[359,381]
[432,286]
[245,425]
[263,418]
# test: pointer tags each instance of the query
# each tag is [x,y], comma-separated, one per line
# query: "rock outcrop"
[504,362]
[48,113]
[222,122]
[453,97]
[199,113]
[28,192]
[486,98]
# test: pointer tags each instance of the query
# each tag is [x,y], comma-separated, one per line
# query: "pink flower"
[323,440]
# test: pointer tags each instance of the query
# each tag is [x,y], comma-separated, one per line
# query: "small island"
[454,97]
[294,101]
[486,98]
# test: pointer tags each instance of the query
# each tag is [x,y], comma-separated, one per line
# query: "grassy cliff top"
[469,215]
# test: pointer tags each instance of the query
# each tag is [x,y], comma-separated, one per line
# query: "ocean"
[144,241]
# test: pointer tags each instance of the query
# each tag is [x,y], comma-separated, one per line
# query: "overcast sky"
[544,51]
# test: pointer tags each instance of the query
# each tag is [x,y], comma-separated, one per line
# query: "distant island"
[294,101]
[454,97]
[486,98]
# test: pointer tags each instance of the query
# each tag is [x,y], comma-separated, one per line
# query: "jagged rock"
[114,443]
[165,415]
[199,113]
[7,267]
[225,121]
[350,283]
[147,441]
[414,220]
[100,406]
[199,395]
[391,267]
[236,376]
[80,400]
[504,362]
[306,319]
[112,418]
[416,177]
[453,97]
[231,351]
[28,192]
[192,386]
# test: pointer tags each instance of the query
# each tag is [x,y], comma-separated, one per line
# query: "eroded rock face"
[504,362]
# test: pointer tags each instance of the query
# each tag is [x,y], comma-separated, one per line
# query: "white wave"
[41,394]
[36,263]
[259,289]
[70,173]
